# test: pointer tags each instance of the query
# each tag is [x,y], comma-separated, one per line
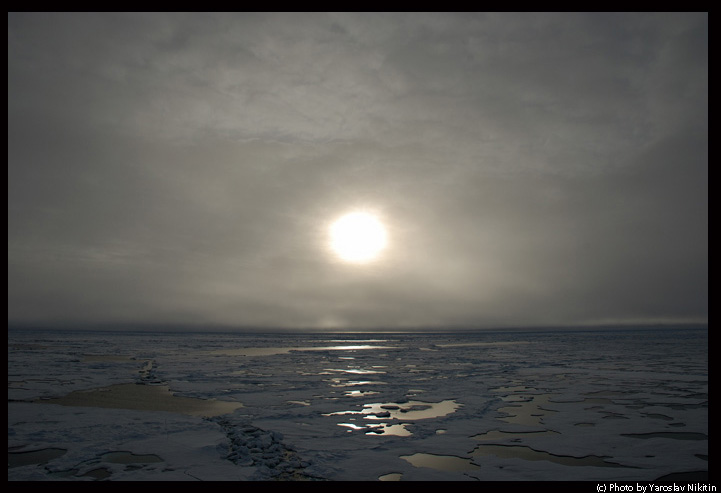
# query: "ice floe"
[505,405]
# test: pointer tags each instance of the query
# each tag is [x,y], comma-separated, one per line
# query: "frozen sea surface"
[613,405]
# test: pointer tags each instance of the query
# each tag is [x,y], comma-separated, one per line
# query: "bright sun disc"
[357,237]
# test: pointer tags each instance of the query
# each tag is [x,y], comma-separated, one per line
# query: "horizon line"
[171,327]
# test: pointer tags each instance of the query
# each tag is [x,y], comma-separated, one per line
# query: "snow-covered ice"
[601,405]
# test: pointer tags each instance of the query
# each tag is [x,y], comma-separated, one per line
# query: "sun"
[358,237]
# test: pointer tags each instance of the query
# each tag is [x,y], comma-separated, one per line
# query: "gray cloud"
[531,168]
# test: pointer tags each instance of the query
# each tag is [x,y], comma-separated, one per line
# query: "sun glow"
[358,237]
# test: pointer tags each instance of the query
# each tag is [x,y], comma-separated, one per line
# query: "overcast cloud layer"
[533,169]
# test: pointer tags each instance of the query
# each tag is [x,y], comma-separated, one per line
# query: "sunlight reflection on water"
[408,411]
[270,351]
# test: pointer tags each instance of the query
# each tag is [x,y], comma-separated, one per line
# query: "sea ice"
[504,405]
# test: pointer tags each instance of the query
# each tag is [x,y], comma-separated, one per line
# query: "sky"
[530,169]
